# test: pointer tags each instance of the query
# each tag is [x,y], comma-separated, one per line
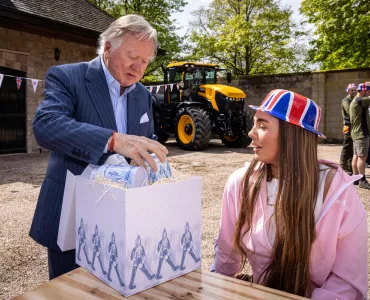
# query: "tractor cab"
[188,77]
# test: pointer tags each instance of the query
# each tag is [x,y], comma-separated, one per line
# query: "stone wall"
[34,55]
[327,89]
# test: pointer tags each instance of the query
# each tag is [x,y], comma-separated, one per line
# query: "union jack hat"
[364,86]
[351,86]
[293,108]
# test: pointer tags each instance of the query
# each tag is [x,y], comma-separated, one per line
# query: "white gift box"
[133,239]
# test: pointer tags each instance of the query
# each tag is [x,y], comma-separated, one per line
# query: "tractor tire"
[241,141]
[193,128]
[158,130]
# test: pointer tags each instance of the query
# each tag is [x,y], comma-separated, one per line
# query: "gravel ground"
[23,263]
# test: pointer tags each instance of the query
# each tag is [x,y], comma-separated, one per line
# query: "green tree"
[158,13]
[342,32]
[248,36]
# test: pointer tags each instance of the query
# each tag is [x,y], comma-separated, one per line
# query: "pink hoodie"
[339,252]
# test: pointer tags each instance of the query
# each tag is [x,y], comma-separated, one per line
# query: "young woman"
[297,220]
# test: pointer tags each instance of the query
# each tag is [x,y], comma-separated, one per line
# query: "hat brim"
[282,117]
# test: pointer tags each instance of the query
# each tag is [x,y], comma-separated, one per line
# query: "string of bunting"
[19,80]
[35,82]
[165,87]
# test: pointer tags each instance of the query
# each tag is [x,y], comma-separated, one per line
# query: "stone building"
[35,35]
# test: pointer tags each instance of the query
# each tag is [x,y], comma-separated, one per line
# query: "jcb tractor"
[196,108]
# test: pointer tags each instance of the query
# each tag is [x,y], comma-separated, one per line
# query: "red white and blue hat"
[363,87]
[351,86]
[293,108]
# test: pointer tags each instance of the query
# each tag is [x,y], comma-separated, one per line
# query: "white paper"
[66,233]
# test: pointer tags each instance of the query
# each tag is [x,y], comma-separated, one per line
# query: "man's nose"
[136,66]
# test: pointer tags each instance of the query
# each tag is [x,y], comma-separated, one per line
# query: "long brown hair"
[298,171]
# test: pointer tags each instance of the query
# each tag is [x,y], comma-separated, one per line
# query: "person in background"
[360,126]
[347,150]
[368,152]
[296,219]
[90,110]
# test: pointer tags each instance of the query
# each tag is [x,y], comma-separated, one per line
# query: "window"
[209,75]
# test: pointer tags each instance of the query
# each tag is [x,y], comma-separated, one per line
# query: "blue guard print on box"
[138,257]
[96,250]
[163,171]
[113,259]
[187,246]
[164,249]
[119,174]
[82,241]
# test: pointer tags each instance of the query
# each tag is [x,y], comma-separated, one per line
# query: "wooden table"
[80,284]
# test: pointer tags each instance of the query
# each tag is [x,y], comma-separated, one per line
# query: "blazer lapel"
[96,85]
[133,113]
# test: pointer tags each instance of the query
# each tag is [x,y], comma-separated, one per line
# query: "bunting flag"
[168,86]
[19,82]
[35,82]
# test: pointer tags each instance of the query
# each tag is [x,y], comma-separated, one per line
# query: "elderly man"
[360,126]
[91,109]
[347,150]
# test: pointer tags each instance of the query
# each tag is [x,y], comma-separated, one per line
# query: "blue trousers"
[61,262]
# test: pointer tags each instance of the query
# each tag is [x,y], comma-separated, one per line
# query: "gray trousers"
[347,153]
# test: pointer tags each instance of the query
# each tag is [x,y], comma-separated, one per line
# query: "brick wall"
[327,89]
[34,55]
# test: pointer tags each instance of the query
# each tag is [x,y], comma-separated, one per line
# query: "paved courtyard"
[23,263]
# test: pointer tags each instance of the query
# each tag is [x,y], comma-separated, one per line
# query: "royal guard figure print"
[82,241]
[187,246]
[113,259]
[96,250]
[164,249]
[138,257]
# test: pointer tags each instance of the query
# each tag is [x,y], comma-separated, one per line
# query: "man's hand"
[137,147]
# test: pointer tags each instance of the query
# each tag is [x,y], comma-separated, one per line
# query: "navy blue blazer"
[74,121]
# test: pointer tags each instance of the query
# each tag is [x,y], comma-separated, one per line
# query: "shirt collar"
[111,81]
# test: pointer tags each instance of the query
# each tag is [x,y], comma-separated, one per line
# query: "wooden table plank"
[197,285]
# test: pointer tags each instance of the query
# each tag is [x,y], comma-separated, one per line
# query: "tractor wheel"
[158,127]
[193,128]
[240,141]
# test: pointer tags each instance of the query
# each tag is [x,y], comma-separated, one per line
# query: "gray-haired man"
[89,110]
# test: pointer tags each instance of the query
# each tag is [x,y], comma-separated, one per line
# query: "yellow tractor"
[195,108]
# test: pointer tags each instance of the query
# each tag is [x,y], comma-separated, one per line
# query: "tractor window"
[209,75]
[201,76]
[194,77]
[188,76]
[178,76]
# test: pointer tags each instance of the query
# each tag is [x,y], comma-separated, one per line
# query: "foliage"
[249,37]
[342,36]
[158,13]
